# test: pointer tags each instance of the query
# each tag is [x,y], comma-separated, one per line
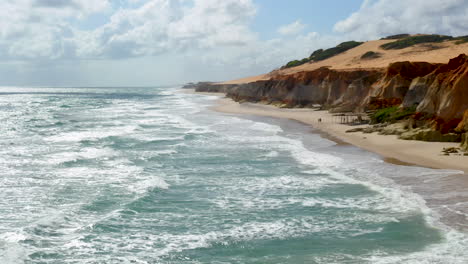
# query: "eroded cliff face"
[447,96]
[398,78]
[438,90]
[338,90]
[208,87]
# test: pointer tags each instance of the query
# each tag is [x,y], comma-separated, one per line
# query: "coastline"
[445,194]
[392,149]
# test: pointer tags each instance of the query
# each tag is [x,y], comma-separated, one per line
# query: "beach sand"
[392,149]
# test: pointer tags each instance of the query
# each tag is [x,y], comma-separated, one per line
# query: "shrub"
[392,114]
[461,40]
[411,41]
[370,55]
[403,113]
[316,53]
[293,63]
[321,54]
[382,115]
[398,36]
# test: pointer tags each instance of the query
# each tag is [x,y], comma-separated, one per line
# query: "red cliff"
[438,90]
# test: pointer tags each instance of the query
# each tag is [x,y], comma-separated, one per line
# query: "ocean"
[152,175]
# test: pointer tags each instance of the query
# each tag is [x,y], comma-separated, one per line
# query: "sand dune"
[351,59]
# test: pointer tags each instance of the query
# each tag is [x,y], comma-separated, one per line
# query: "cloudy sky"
[159,42]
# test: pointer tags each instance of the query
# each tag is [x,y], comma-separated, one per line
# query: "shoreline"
[445,194]
[389,147]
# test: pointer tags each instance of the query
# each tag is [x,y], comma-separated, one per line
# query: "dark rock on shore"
[463,128]
[195,85]
[464,141]
[430,135]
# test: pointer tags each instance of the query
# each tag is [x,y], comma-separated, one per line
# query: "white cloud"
[209,37]
[263,56]
[291,29]
[79,7]
[378,18]
[32,29]
[163,25]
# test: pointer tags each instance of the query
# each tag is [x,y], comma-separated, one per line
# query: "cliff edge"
[433,95]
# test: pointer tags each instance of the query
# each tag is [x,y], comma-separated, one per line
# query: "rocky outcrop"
[207,87]
[417,91]
[393,87]
[195,85]
[398,78]
[464,141]
[430,135]
[463,129]
[463,125]
[447,96]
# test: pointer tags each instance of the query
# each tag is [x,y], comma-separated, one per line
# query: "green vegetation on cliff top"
[413,40]
[401,41]
[461,40]
[321,54]
[371,55]
[398,36]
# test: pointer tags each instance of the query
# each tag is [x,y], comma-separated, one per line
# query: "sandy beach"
[426,154]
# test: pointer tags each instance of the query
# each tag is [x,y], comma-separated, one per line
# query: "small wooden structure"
[351,118]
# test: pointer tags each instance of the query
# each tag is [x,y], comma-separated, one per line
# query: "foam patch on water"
[395,197]
[283,184]
[452,250]
[11,252]
[91,135]
[85,153]
[263,127]
[144,185]
[272,154]
[13,237]
[271,139]
[165,244]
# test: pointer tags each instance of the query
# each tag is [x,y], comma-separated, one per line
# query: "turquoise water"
[151,175]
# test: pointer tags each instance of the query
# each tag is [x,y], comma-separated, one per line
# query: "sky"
[164,42]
